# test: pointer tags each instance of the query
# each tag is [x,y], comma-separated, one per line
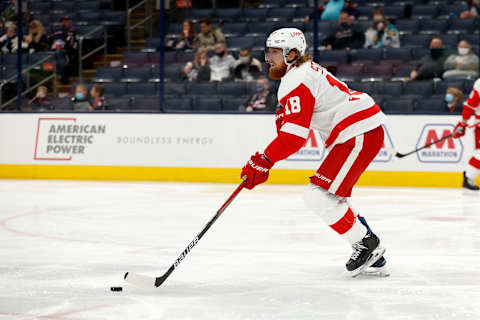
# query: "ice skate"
[468,183]
[366,252]
[378,269]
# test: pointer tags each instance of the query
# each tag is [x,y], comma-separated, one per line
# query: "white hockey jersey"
[313,98]
[472,105]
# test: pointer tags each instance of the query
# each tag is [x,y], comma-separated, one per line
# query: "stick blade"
[140,280]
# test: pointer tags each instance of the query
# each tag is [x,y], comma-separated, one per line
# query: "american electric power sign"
[63,138]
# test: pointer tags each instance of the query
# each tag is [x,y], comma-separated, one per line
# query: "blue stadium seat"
[178,105]
[452,9]
[254,14]
[37,7]
[142,88]
[349,72]
[449,40]
[228,15]
[202,88]
[461,26]
[185,57]
[296,4]
[336,56]
[420,52]
[367,87]
[108,74]
[62,104]
[281,14]
[397,12]
[151,44]
[302,13]
[441,86]
[407,26]
[430,105]
[403,71]
[323,27]
[63,7]
[404,54]
[375,54]
[90,29]
[392,88]
[136,74]
[134,58]
[145,103]
[424,11]
[378,71]
[298,25]
[416,40]
[433,25]
[420,88]
[118,104]
[174,89]
[380,99]
[240,42]
[399,105]
[172,71]
[365,11]
[90,17]
[175,29]
[235,29]
[272,4]
[199,14]
[261,28]
[471,38]
[232,103]
[115,89]
[88,5]
[232,88]
[111,17]
[207,104]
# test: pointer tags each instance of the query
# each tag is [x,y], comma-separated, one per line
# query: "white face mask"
[42,95]
[463,51]
[244,59]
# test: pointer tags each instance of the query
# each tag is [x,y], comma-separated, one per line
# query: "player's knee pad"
[325,204]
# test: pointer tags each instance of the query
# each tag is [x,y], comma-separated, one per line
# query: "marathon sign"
[448,150]
[312,150]
[385,154]
[63,138]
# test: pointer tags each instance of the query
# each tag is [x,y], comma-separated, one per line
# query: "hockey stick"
[148,281]
[401,155]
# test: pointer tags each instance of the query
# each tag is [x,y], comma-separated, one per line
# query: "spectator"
[36,38]
[65,44]
[430,66]
[473,10]
[40,102]
[222,63]
[186,40]
[80,99]
[199,70]
[9,15]
[246,68]
[462,65]
[98,100]
[381,33]
[262,100]
[9,41]
[452,98]
[208,37]
[345,35]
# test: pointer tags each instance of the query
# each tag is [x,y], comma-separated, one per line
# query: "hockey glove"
[279,119]
[256,170]
[459,130]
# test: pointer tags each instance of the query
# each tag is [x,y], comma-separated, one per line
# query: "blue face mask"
[260,89]
[79,96]
[449,97]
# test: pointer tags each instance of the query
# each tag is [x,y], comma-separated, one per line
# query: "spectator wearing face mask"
[345,35]
[246,68]
[199,69]
[262,100]
[452,98]
[99,103]
[463,64]
[430,66]
[9,41]
[221,64]
[381,33]
[80,100]
[40,101]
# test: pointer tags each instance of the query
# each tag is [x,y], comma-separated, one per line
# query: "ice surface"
[63,244]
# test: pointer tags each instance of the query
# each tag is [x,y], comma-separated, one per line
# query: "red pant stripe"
[345,223]
[474,162]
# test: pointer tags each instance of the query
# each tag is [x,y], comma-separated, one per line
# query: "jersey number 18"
[292,105]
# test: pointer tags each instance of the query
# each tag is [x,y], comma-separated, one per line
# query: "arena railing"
[148,18]
[82,56]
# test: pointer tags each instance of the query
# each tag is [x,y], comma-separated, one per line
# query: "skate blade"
[381,272]
[375,255]
[468,192]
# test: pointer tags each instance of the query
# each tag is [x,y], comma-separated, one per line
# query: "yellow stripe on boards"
[224,175]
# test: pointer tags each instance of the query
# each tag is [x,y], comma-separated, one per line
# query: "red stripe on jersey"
[471,104]
[474,163]
[298,108]
[348,121]
[345,223]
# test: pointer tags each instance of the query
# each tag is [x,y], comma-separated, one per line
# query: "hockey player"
[349,123]
[470,107]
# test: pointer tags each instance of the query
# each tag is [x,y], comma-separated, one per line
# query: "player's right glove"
[256,170]
[459,130]
[279,119]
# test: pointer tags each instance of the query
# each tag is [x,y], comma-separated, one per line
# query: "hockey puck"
[116,288]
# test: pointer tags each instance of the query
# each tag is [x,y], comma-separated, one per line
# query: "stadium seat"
[404,54]
[136,74]
[375,54]
[185,57]
[380,99]
[202,88]
[229,14]
[91,30]
[451,9]
[89,17]
[232,88]
[207,104]
[462,26]
[296,4]
[39,7]
[420,88]
[416,40]
[403,71]
[183,104]
[171,71]
[115,89]
[111,17]
[134,58]
[235,29]
[433,26]
[198,14]
[236,43]
[396,12]
[272,4]
[365,12]
[302,13]
[152,44]
[430,105]
[232,103]
[407,26]
[280,14]
[323,27]
[142,88]
[420,52]
[298,25]
[145,103]
[174,89]
[88,5]
[349,72]
[424,12]
[399,105]
[367,87]
[119,104]
[63,7]
[62,104]
[336,56]
[441,86]
[108,74]
[175,29]
[378,71]
[449,40]
[392,88]
[261,28]
[254,14]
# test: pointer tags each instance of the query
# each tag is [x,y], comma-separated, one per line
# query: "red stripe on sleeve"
[470,105]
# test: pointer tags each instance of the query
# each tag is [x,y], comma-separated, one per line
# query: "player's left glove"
[459,130]
[256,170]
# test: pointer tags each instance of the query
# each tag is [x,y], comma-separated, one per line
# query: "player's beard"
[276,73]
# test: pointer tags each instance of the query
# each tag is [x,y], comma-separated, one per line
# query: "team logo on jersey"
[312,150]
[385,154]
[449,150]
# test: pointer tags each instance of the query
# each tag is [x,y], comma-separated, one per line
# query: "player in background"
[350,124]
[471,107]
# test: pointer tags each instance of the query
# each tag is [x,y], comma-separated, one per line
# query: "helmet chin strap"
[285,56]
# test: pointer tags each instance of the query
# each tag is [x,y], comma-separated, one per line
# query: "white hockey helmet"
[286,39]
